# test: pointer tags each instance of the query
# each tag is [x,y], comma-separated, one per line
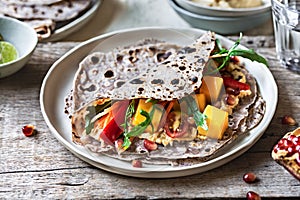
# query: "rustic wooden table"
[40,167]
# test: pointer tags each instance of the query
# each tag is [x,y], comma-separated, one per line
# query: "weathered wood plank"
[87,182]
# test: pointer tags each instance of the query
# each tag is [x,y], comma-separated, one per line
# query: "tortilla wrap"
[98,78]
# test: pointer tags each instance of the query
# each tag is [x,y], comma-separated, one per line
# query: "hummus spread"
[230,3]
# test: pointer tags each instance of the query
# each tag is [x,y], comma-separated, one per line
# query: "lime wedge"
[7,52]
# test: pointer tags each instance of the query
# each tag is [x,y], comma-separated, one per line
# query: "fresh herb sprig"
[223,55]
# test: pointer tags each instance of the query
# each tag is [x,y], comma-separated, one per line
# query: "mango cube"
[217,122]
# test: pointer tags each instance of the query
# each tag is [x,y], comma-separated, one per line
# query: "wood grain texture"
[39,167]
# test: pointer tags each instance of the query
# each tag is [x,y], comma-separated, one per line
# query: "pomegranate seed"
[137,163]
[291,137]
[149,145]
[296,140]
[28,130]
[252,196]
[290,151]
[249,177]
[288,120]
[234,59]
[287,143]
[230,100]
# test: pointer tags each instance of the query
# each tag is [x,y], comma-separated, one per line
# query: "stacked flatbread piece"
[44,15]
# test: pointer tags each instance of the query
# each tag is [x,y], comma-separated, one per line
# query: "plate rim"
[187,170]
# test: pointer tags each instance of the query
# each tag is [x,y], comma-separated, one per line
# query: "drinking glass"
[286,19]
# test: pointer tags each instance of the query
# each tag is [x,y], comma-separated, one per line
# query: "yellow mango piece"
[211,87]
[217,122]
[201,99]
[138,118]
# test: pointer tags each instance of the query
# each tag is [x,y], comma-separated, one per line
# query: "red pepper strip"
[113,129]
[230,82]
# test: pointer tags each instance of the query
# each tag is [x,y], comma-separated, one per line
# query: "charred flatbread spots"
[162,103]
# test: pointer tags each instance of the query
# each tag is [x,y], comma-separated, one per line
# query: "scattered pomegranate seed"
[28,130]
[249,177]
[149,145]
[252,196]
[230,100]
[288,120]
[137,163]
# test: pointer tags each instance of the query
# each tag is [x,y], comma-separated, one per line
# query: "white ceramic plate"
[66,29]
[223,12]
[58,83]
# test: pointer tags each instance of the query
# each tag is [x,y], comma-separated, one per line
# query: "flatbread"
[61,11]
[159,71]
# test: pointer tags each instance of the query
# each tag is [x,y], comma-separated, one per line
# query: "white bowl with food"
[222,25]
[233,8]
[18,40]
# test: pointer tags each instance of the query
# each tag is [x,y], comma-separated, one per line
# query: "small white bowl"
[224,12]
[221,25]
[23,37]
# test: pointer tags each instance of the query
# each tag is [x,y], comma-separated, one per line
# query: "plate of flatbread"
[52,19]
[115,48]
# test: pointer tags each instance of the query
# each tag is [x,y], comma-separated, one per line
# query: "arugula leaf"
[200,118]
[222,55]
[138,129]
[250,54]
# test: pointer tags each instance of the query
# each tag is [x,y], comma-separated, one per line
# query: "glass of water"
[286,19]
